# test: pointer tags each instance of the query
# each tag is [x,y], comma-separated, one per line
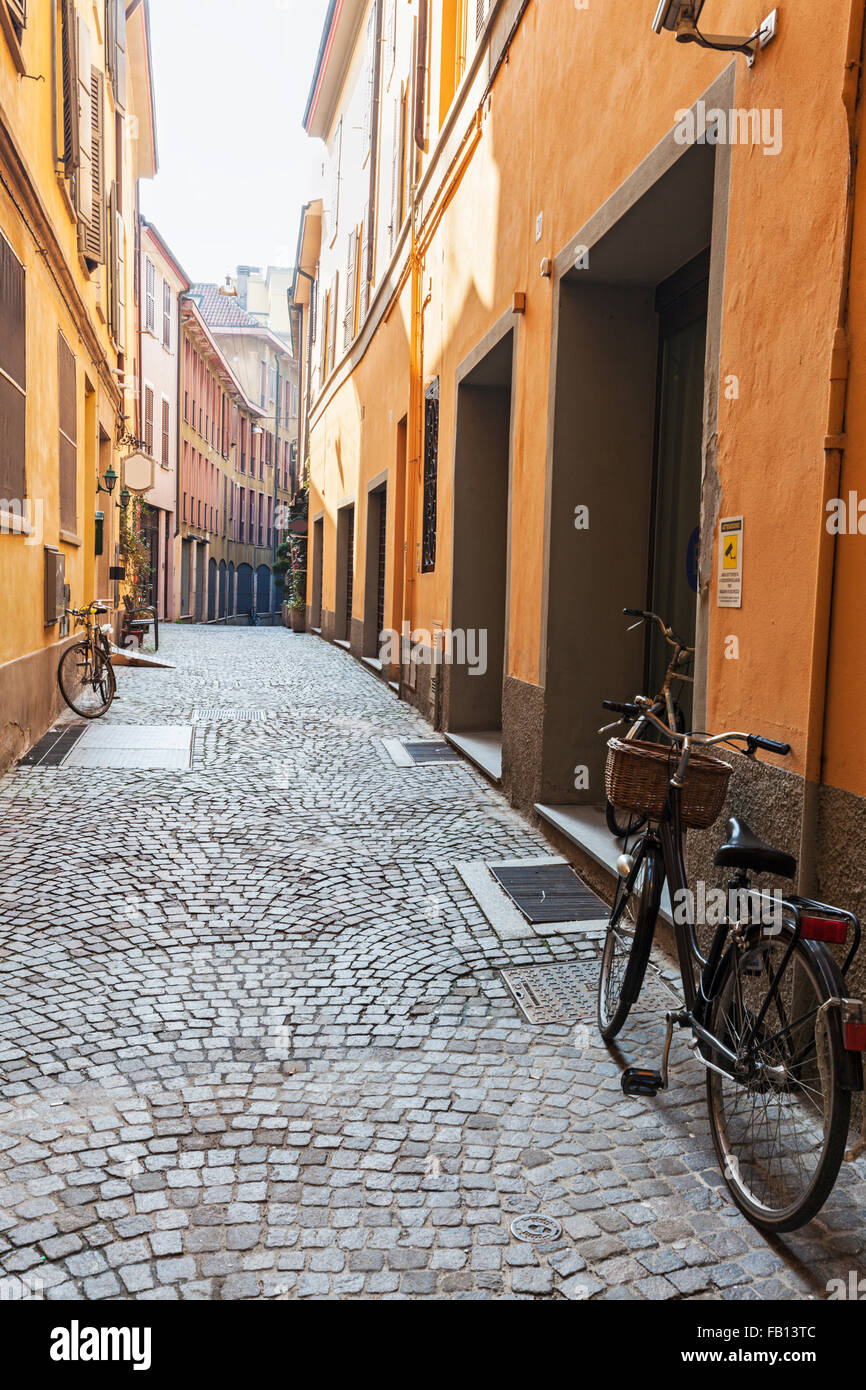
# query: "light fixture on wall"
[109,479]
[681,18]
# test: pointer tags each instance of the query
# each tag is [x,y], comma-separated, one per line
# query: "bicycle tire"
[618,988]
[69,685]
[807,957]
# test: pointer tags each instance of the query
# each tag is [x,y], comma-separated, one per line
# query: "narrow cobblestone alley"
[265,1051]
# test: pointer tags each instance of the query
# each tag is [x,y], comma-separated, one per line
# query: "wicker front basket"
[638,773]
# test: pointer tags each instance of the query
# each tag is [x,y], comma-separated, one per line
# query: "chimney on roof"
[244,273]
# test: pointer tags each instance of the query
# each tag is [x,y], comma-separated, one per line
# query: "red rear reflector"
[855,1037]
[824,929]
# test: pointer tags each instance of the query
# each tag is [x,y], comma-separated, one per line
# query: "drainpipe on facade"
[834,450]
[276,481]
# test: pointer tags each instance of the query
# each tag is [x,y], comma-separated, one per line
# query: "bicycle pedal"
[641,1081]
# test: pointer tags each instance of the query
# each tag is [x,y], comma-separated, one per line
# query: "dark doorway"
[244,590]
[230,590]
[211,590]
[473,676]
[263,590]
[345,574]
[185,577]
[222,589]
[199,583]
[681,303]
[374,570]
[318,567]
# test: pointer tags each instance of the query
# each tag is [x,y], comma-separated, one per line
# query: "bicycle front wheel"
[780,1127]
[86,679]
[629,939]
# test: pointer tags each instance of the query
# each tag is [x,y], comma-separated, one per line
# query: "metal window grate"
[53,749]
[431,473]
[432,752]
[549,893]
[220,714]
[380,586]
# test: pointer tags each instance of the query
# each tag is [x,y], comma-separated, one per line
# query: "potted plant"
[298,609]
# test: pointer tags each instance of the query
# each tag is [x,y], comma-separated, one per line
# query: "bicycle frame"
[700,974]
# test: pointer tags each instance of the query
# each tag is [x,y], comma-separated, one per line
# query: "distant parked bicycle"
[620,823]
[85,673]
[766,1006]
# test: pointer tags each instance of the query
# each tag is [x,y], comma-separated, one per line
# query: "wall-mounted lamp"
[681,17]
[125,496]
[109,478]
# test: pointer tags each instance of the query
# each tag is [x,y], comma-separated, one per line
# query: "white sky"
[235,166]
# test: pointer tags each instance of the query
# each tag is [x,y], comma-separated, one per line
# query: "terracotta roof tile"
[219,310]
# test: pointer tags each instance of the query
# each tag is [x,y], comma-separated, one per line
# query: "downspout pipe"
[834,450]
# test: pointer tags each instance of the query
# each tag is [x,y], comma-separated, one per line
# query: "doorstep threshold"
[586,828]
[483,749]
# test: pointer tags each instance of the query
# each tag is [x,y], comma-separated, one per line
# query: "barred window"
[431,470]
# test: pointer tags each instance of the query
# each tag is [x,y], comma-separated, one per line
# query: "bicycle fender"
[851,1063]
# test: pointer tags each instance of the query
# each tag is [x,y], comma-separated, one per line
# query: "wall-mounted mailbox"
[55,579]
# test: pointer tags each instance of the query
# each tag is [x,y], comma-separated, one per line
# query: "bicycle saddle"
[743,850]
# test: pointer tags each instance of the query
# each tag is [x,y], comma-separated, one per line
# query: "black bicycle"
[766,1005]
[85,673]
[620,823]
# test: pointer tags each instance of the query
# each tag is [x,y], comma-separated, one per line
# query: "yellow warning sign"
[729,559]
[730,571]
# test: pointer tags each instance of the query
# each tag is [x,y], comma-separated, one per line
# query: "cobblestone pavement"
[254,1042]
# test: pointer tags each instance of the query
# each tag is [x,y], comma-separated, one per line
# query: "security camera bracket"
[686,31]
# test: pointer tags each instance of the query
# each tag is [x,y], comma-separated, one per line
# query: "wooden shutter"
[92,234]
[84,177]
[332,324]
[365,267]
[398,165]
[166,314]
[369,79]
[482,10]
[351,267]
[13,375]
[117,233]
[332,211]
[148,419]
[19,14]
[69,66]
[68,435]
[166,432]
[390,33]
[118,51]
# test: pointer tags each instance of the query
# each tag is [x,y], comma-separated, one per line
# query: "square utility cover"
[549,893]
[145,746]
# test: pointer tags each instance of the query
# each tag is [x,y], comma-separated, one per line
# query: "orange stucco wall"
[584,98]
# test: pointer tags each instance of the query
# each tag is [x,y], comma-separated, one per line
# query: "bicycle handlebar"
[752,741]
[644,615]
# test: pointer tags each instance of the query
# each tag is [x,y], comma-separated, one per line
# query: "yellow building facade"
[76,134]
[583,299]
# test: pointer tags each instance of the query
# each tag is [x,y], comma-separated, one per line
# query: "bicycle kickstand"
[643,1081]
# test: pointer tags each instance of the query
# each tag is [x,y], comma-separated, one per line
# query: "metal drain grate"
[54,747]
[431,752]
[550,893]
[220,714]
[566,993]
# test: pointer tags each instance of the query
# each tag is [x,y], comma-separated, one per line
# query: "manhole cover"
[53,749]
[145,746]
[219,714]
[535,1229]
[566,992]
[430,752]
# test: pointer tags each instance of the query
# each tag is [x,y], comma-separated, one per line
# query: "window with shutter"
[351,276]
[69,71]
[166,433]
[13,376]
[115,47]
[431,473]
[326,324]
[18,11]
[84,176]
[332,325]
[332,210]
[92,235]
[398,165]
[117,233]
[369,78]
[148,419]
[149,296]
[68,435]
[365,269]
[166,315]
[390,36]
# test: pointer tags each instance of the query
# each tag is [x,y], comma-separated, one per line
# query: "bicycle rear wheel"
[86,679]
[780,1129]
[629,939]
